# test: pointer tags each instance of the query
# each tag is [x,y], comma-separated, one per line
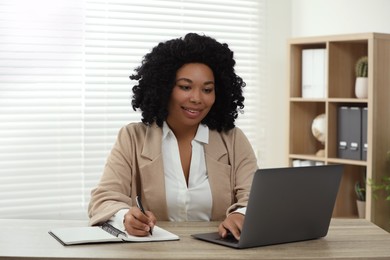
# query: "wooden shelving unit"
[342,52]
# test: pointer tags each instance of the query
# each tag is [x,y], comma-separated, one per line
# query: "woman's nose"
[195,97]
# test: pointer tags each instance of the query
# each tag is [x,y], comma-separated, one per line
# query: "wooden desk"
[347,239]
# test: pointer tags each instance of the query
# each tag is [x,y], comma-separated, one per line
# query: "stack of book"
[302,163]
[314,73]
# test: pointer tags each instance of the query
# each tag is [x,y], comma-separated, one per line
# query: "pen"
[139,204]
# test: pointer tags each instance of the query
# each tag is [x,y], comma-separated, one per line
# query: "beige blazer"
[135,167]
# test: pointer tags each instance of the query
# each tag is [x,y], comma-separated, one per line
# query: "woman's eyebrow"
[185,79]
[210,82]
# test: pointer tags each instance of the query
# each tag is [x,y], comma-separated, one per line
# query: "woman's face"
[192,96]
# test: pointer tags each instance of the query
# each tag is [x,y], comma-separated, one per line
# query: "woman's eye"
[184,87]
[208,90]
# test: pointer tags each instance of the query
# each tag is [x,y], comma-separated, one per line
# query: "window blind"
[41,76]
[65,89]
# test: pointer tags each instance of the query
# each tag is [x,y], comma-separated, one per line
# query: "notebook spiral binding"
[112,230]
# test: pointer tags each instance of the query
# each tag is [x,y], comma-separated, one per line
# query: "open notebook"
[105,233]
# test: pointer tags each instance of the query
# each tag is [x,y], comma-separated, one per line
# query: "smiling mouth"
[191,111]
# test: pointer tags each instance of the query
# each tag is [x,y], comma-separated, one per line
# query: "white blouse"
[192,203]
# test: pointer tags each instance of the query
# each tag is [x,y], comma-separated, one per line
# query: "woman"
[186,160]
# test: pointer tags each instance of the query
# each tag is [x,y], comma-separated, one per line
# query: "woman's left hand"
[233,224]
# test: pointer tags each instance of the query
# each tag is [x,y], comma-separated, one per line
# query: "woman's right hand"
[138,224]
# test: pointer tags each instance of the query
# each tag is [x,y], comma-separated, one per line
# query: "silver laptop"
[286,205]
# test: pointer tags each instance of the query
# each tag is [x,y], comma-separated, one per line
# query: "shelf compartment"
[345,205]
[341,67]
[301,138]
[296,65]
[332,151]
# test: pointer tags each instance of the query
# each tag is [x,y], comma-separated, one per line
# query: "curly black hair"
[157,73]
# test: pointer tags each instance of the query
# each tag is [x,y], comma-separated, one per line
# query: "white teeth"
[192,111]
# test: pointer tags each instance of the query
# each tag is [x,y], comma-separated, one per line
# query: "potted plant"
[361,83]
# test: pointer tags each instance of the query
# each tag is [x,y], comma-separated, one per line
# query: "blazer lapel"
[218,169]
[152,173]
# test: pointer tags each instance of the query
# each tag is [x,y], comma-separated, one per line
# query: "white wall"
[328,17]
[301,18]
[278,30]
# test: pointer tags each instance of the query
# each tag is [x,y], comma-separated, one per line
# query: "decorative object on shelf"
[361,84]
[318,129]
[361,199]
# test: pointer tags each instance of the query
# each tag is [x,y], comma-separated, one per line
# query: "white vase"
[361,87]
[361,207]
